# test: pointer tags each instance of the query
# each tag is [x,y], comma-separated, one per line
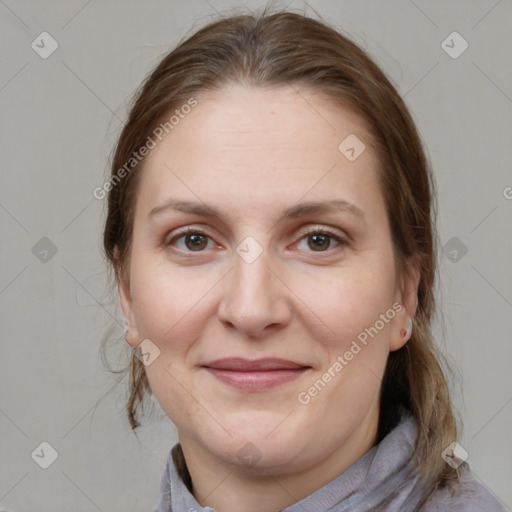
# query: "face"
[271,322]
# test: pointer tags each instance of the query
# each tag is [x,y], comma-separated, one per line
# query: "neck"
[224,487]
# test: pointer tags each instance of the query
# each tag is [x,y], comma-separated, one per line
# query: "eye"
[320,239]
[194,240]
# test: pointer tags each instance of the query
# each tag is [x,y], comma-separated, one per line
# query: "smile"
[255,375]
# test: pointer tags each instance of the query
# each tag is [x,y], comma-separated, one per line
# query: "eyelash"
[314,231]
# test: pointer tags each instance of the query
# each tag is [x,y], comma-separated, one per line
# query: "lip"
[255,375]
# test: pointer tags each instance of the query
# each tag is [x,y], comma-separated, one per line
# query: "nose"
[255,299]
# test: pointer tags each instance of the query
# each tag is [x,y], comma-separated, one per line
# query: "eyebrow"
[299,210]
[296,211]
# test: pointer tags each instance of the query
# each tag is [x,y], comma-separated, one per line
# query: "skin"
[251,152]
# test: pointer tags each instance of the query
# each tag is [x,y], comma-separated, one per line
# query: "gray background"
[60,119]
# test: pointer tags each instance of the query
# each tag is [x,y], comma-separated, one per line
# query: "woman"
[271,227]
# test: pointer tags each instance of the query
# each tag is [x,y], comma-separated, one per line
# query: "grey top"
[381,481]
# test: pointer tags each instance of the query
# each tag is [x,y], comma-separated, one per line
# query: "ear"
[407,296]
[125,301]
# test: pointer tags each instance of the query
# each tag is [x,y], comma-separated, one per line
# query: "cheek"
[171,307]
[356,348]
[176,395]
[171,304]
[346,301]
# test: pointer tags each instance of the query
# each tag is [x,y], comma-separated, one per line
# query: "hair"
[284,48]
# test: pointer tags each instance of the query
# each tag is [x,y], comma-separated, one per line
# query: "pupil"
[197,241]
[322,239]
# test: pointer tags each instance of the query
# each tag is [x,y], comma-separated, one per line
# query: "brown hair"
[285,48]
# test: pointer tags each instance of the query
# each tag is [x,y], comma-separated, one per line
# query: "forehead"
[262,147]
[273,115]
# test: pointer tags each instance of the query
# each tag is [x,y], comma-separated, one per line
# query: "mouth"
[255,375]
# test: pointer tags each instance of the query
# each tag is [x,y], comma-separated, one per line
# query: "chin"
[261,459]
[261,442]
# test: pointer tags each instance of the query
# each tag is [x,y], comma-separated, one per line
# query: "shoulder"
[466,494]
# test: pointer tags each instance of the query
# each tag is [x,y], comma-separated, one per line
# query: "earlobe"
[407,296]
[130,339]
[401,330]
[406,333]
[125,301]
